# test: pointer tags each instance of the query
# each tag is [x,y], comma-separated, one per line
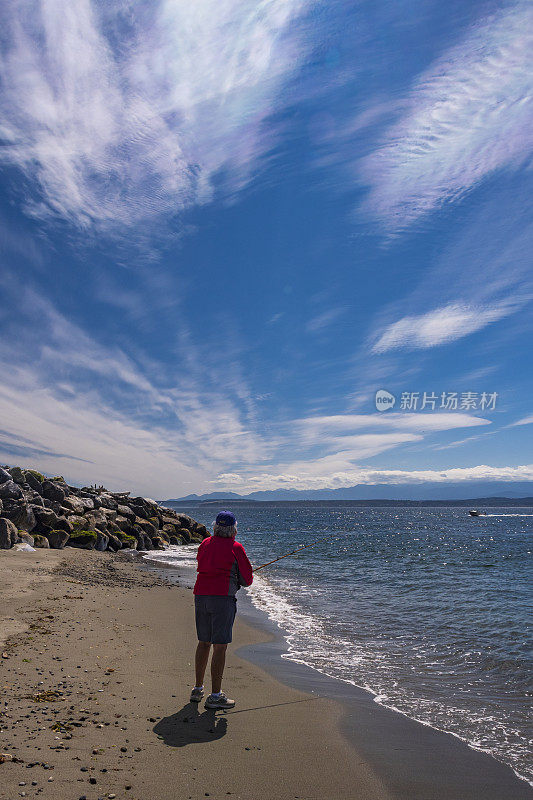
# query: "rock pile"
[47,512]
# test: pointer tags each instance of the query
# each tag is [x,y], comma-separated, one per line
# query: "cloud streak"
[116,132]
[439,326]
[466,117]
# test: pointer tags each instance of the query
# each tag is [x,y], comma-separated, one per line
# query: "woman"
[223,567]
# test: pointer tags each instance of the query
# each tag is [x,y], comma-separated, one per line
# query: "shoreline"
[117,642]
[396,746]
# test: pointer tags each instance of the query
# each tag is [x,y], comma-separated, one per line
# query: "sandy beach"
[117,646]
[97,668]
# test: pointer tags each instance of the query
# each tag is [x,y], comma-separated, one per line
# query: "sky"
[225,225]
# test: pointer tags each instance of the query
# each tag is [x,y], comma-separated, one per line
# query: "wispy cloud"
[523,421]
[466,117]
[345,423]
[324,319]
[96,413]
[70,404]
[438,326]
[115,133]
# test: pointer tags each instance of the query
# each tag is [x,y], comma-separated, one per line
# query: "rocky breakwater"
[47,512]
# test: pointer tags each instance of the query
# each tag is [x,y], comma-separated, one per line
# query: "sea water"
[426,607]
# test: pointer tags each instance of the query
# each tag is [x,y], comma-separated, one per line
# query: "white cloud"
[439,326]
[431,421]
[523,421]
[466,117]
[119,133]
[355,447]
[278,479]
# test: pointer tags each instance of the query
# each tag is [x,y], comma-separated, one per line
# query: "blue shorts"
[214,617]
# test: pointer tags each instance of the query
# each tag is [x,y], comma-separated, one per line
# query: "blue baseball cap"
[226,518]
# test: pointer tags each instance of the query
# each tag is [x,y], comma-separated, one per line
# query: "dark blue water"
[428,608]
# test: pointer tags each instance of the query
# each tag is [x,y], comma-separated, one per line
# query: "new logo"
[384,400]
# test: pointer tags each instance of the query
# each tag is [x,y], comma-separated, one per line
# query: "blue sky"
[225,225]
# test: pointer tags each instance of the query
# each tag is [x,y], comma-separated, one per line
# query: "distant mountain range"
[428,492]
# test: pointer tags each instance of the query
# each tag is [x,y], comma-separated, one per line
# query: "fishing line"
[317,541]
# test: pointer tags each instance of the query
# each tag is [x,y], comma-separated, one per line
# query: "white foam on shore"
[310,643]
[174,555]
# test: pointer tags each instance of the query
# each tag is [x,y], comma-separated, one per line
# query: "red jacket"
[223,567]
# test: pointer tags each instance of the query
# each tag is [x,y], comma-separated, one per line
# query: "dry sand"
[116,646]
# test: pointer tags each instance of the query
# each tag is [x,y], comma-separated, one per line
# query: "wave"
[310,641]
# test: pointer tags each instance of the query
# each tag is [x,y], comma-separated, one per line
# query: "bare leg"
[202,656]
[218,659]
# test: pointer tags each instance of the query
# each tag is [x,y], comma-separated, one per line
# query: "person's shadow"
[188,726]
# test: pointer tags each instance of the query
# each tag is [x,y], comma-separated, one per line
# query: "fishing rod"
[329,538]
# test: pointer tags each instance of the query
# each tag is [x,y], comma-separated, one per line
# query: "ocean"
[427,608]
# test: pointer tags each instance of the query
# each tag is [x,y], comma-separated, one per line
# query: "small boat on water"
[475,513]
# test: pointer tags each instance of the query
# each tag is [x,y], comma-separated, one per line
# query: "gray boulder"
[87,502]
[9,489]
[125,511]
[33,482]
[102,541]
[53,504]
[78,522]
[112,527]
[95,520]
[144,542]
[158,543]
[74,504]
[139,510]
[52,491]
[40,541]
[46,519]
[185,535]
[8,534]
[62,524]
[107,501]
[17,474]
[145,526]
[57,539]
[20,514]
[172,521]
[168,530]
[84,540]
[113,543]
[4,475]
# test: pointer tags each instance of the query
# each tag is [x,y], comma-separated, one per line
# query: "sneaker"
[219,702]
[196,695]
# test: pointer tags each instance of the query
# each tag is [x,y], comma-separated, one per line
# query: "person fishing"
[223,567]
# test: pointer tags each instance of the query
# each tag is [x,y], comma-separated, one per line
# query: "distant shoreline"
[492,502]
